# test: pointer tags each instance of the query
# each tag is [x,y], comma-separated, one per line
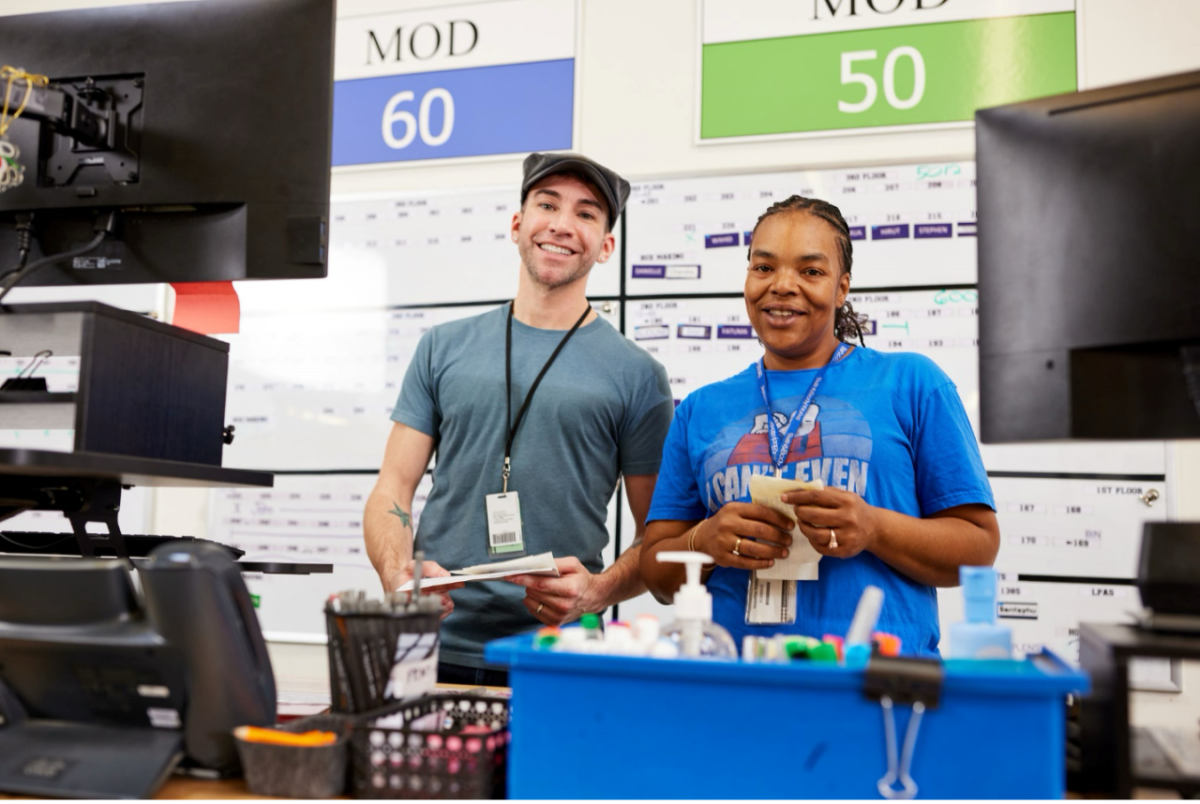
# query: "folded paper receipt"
[541,564]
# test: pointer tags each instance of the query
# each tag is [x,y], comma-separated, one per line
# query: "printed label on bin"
[898,231]
[968,229]
[414,671]
[735,331]
[683,272]
[695,331]
[1017,611]
[926,230]
[651,332]
[721,240]
[858,233]
[666,272]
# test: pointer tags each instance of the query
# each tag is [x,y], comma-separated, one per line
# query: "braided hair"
[847,324]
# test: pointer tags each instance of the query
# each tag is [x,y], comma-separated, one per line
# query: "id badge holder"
[770,602]
[505,539]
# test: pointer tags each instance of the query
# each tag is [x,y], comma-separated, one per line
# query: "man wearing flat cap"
[535,410]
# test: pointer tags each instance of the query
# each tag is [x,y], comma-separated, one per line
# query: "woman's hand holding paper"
[744,535]
[837,523]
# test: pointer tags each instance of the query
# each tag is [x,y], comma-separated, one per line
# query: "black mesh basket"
[440,746]
[380,657]
[289,771]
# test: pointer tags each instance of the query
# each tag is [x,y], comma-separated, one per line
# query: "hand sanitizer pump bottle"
[693,630]
[979,636]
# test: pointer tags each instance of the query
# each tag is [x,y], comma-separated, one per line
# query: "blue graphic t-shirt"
[887,426]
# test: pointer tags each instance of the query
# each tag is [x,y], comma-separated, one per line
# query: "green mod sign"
[869,77]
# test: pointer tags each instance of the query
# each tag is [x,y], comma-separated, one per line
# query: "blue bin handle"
[1051,663]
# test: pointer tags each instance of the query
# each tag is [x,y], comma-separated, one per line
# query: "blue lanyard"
[781,444]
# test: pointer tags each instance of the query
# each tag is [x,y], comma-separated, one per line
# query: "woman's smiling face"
[794,287]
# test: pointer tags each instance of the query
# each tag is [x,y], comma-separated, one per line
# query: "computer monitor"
[1089,264]
[205,126]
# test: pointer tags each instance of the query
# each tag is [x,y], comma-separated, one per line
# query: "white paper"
[801,563]
[541,564]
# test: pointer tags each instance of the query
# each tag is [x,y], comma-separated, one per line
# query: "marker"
[857,648]
[889,644]
[865,616]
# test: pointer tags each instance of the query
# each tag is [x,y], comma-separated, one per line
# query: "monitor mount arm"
[52,106]
[85,122]
[81,499]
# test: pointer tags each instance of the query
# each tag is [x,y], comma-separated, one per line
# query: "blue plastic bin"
[610,727]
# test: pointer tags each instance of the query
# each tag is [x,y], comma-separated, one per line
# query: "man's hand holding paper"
[430,570]
[561,599]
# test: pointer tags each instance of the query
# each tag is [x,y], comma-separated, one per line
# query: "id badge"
[770,602]
[504,525]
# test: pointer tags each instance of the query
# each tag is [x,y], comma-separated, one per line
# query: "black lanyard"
[512,426]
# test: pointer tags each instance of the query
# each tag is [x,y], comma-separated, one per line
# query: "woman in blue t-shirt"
[905,502]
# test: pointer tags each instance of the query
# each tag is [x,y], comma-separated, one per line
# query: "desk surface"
[184,789]
[179,788]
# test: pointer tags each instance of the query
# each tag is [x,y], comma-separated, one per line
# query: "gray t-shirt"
[602,410]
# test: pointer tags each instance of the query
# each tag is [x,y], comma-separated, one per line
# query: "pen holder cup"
[439,746]
[379,657]
[291,771]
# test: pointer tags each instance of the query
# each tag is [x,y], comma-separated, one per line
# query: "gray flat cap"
[616,190]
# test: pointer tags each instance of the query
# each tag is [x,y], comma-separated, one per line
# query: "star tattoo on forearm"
[405,519]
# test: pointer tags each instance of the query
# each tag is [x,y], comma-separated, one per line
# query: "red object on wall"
[207,307]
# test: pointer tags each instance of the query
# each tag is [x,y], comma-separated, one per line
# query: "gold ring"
[539,609]
[736,545]
[832,539]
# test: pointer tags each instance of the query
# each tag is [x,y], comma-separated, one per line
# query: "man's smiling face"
[562,231]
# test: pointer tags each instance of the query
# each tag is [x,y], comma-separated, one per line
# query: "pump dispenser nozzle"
[692,601]
[694,630]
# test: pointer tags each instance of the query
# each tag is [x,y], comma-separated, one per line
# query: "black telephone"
[199,603]
[103,692]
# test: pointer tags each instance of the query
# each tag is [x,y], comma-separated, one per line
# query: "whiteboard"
[698,341]
[1046,614]
[306,518]
[311,518]
[910,225]
[415,249]
[315,391]
[1073,527]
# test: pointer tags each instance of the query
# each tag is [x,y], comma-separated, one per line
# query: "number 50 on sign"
[861,64]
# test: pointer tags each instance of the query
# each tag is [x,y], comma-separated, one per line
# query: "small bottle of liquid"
[979,636]
[693,630]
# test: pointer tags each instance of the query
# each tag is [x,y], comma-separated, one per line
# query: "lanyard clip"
[507,471]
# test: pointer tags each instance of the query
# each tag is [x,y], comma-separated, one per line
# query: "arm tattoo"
[405,519]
